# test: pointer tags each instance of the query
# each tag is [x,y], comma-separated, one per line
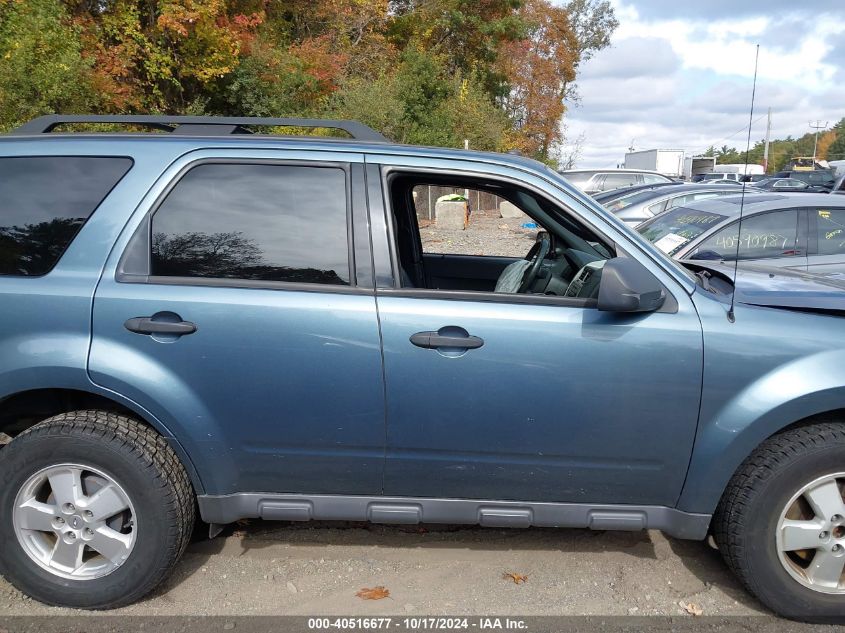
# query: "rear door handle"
[146,325]
[434,340]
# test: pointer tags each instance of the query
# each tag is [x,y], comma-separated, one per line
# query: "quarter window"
[831,231]
[254,221]
[763,236]
[44,202]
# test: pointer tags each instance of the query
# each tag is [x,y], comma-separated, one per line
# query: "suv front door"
[560,402]
[279,387]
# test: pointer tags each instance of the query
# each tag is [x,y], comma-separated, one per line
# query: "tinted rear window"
[260,222]
[44,202]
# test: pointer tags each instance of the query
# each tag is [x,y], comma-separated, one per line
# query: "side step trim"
[289,507]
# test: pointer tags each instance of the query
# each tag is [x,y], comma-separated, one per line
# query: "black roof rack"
[198,125]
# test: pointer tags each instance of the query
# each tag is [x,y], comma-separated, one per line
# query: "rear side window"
[615,181]
[254,221]
[831,231]
[765,235]
[44,202]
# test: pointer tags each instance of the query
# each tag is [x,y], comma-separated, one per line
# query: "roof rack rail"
[198,125]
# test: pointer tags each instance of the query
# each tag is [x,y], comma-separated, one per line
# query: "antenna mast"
[731,316]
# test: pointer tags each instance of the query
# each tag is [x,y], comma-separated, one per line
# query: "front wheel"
[95,510]
[781,523]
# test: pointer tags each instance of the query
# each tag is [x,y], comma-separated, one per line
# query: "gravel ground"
[306,569]
[487,234]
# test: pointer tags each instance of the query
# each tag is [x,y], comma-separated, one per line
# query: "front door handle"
[446,337]
[146,325]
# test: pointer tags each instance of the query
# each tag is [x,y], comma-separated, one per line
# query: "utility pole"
[766,146]
[817,126]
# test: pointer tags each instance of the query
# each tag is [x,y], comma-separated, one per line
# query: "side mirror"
[627,286]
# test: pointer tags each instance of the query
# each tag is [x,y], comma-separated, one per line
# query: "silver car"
[793,230]
[595,180]
[640,206]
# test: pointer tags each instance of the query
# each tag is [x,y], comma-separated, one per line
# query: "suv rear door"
[279,386]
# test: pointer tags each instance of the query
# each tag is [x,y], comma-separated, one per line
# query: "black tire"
[746,521]
[147,469]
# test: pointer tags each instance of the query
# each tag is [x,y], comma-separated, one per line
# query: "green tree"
[836,150]
[42,66]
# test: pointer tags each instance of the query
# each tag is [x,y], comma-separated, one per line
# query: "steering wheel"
[536,256]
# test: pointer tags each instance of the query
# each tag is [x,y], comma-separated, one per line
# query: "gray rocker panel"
[278,507]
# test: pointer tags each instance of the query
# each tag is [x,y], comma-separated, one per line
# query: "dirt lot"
[487,234]
[316,569]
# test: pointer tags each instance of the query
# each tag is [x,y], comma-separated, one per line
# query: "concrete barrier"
[451,215]
[509,210]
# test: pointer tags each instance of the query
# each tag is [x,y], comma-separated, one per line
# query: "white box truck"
[669,162]
[698,165]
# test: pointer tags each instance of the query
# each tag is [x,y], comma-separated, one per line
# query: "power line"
[741,130]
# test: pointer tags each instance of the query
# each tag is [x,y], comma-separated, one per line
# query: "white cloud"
[682,79]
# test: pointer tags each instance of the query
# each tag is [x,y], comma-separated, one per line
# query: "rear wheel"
[95,510]
[781,523]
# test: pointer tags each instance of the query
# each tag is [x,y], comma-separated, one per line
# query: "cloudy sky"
[678,75]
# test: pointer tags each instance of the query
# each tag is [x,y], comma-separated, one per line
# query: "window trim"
[135,262]
[800,235]
[90,215]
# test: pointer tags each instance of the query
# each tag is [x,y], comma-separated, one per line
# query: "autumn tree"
[538,68]
[439,72]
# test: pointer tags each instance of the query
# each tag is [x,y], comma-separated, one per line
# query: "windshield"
[671,230]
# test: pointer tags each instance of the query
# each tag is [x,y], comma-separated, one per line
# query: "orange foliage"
[825,141]
[538,68]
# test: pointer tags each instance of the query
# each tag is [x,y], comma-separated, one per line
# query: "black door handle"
[433,340]
[146,325]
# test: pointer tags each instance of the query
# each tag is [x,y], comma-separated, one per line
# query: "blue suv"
[216,322]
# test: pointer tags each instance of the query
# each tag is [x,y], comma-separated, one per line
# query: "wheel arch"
[23,409]
[713,466]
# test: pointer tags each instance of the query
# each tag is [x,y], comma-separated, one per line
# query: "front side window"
[830,226]
[44,202]
[763,236]
[260,222]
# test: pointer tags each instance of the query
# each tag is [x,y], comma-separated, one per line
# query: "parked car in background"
[724,176]
[606,196]
[595,180]
[754,177]
[824,178]
[785,185]
[802,231]
[640,206]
